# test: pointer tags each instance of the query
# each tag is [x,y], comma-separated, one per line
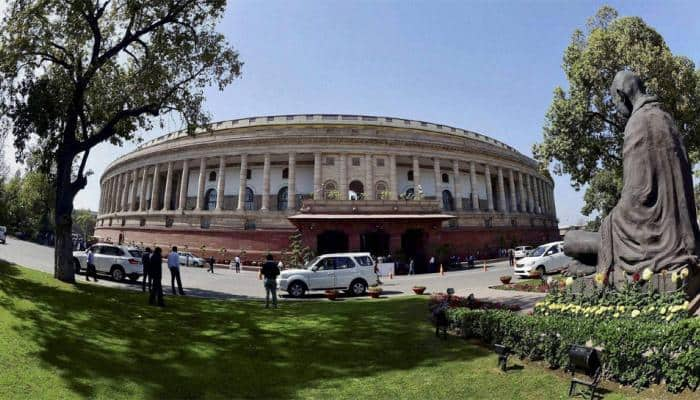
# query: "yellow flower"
[569,281]
[621,308]
[686,305]
[635,313]
[599,279]
[684,273]
[599,311]
[675,277]
[616,315]
[651,309]
[662,310]
[647,274]
[668,318]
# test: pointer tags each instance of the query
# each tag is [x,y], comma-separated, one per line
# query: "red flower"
[636,277]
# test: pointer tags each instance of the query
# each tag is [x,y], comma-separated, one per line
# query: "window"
[447,203]
[330,161]
[136,253]
[249,199]
[356,161]
[381,191]
[409,193]
[212,176]
[344,263]
[364,261]
[330,191]
[445,178]
[204,222]
[410,175]
[380,162]
[248,174]
[326,264]
[210,199]
[285,173]
[111,251]
[282,198]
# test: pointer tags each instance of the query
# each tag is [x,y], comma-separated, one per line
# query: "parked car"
[117,261]
[545,259]
[352,272]
[189,259]
[521,251]
[3,234]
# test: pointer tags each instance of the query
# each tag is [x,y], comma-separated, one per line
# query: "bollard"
[484,265]
[442,272]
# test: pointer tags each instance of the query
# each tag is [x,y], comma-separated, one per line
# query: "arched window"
[409,193]
[212,176]
[210,199]
[249,199]
[410,175]
[285,173]
[381,191]
[282,197]
[447,203]
[445,178]
[330,191]
[357,190]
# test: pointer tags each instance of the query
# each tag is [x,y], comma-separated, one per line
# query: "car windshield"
[311,263]
[538,251]
[135,253]
[2,229]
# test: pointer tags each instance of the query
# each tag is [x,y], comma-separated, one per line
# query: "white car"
[353,272]
[545,259]
[117,261]
[3,234]
[189,259]
[521,251]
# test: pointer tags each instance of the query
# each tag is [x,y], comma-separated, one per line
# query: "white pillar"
[472,182]
[343,177]
[456,185]
[369,177]
[221,183]
[530,199]
[154,188]
[416,175]
[318,190]
[266,184]
[438,180]
[243,179]
[501,191]
[125,192]
[200,187]
[513,199]
[292,182]
[116,195]
[394,185]
[182,201]
[132,191]
[142,196]
[489,189]
[168,187]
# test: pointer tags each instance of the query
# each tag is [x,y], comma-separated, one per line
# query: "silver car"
[3,234]
[115,260]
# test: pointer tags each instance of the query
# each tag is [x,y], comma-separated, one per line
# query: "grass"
[86,341]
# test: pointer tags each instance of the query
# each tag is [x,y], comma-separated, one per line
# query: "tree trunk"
[63,257]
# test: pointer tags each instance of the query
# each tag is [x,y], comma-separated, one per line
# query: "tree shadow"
[104,340]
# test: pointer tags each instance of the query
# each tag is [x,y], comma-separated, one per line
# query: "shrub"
[634,352]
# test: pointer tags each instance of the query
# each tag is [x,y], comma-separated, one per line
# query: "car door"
[322,275]
[103,258]
[551,258]
[111,256]
[345,272]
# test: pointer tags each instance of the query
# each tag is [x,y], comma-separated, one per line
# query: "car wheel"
[76,264]
[296,289]
[118,273]
[358,287]
[540,269]
[195,264]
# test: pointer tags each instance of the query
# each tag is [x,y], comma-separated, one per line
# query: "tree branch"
[605,119]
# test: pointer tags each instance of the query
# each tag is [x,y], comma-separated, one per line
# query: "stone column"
[221,183]
[200,186]
[125,192]
[489,187]
[318,190]
[243,181]
[394,184]
[511,186]
[501,191]
[266,184]
[530,194]
[438,180]
[416,175]
[132,191]
[522,207]
[472,183]
[553,211]
[369,177]
[168,187]
[105,197]
[142,196]
[116,196]
[343,177]
[292,182]
[538,199]
[154,188]
[112,193]
[182,201]
[456,186]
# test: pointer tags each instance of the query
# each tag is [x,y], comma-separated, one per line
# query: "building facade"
[347,182]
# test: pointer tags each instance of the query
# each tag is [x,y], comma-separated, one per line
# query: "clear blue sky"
[486,66]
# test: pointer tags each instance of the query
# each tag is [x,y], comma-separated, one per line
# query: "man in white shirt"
[174,267]
[237,261]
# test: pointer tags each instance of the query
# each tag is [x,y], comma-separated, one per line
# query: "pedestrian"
[211,264]
[91,270]
[411,267]
[155,266]
[237,260]
[280,265]
[511,257]
[146,262]
[270,271]
[174,267]
[431,264]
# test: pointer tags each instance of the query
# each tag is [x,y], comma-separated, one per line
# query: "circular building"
[346,182]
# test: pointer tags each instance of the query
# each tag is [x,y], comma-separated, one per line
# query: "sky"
[486,66]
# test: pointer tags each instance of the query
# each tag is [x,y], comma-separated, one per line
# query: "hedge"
[633,352]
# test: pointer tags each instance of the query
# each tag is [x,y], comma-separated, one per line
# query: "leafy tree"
[85,221]
[583,134]
[76,73]
[297,254]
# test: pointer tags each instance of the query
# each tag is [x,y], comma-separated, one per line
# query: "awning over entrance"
[370,217]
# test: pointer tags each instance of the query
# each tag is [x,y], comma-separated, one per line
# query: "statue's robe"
[654,224]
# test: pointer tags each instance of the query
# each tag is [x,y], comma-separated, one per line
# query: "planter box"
[418,290]
[331,295]
[505,280]
[374,295]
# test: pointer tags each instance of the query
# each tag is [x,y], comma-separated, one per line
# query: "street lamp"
[585,360]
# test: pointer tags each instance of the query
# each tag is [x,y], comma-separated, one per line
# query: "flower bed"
[469,303]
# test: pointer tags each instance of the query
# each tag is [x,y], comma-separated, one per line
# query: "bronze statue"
[654,224]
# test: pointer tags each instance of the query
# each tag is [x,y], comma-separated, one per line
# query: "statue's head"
[626,87]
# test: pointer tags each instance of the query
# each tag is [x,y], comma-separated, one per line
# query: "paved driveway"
[224,283]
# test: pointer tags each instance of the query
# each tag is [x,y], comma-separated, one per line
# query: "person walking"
[211,264]
[146,262]
[431,264]
[411,267]
[174,267]
[511,257]
[270,271]
[155,267]
[237,261]
[91,270]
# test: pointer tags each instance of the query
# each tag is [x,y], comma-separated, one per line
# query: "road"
[225,283]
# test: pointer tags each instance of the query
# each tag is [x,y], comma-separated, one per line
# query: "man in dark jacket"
[156,274]
[146,262]
[270,271]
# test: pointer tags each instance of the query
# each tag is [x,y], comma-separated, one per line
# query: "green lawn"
[64,341]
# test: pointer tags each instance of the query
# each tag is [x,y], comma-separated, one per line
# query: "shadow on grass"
[108,342]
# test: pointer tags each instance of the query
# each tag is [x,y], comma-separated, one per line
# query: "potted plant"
[374,291]
[505,279]
[535,274]
[418,289]
[331,294]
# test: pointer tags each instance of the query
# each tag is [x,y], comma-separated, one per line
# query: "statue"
[654,224]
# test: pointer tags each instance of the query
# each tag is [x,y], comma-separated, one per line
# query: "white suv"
[117,261]
[3,234]
[545,259]
[189,259]
[521,251]
[349,271]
